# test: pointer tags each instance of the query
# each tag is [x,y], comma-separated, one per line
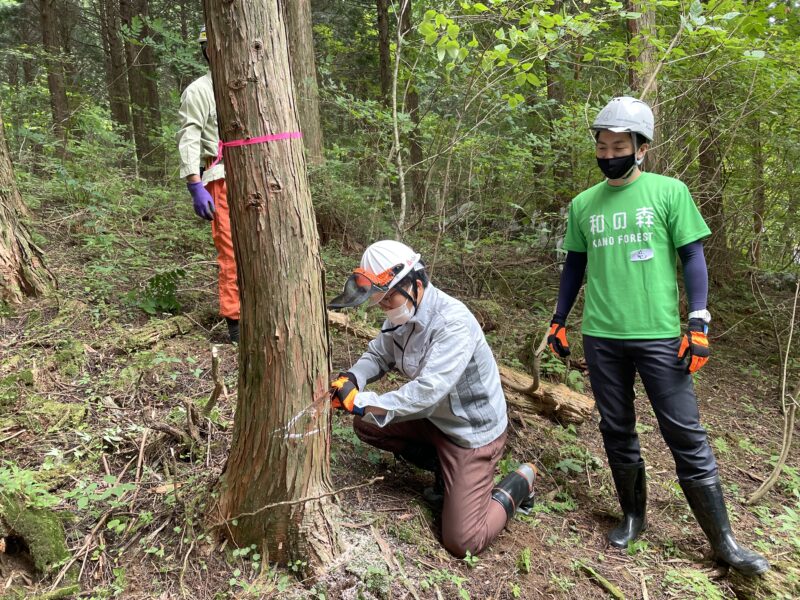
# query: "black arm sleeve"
[695,275]
[571,280]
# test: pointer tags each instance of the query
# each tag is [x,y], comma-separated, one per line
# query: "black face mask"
[617,168]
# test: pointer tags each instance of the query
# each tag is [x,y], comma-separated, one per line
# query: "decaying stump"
[555,401]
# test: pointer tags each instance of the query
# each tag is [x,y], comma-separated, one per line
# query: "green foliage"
[159,294]
[691,583]
[439,576]
[24,484]
[471,560]
[95,496]
[523,563]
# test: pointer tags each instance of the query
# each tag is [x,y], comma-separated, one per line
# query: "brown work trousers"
[470,518]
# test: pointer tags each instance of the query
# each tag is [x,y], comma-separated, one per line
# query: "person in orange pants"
[198,139]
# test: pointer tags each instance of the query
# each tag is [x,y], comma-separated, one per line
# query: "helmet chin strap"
[408,297]
[636,161]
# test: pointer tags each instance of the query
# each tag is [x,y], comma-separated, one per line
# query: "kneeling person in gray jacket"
[450,418]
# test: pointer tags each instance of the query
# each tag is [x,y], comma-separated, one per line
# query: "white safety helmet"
[626,114]
[383,265]
[202,37]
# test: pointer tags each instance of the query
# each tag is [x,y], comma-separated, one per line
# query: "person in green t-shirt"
[624,234]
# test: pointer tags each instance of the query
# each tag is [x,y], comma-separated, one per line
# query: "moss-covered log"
[40,529]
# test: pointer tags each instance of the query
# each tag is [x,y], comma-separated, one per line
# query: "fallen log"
[154,331]
[554,401]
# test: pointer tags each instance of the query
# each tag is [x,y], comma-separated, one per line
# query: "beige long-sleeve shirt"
[198,136]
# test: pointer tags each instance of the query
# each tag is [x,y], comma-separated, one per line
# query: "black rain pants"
[613,364]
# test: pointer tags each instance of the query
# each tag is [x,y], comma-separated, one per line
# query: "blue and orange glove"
[694,345]
[201,200]
[343,394]
[557,339]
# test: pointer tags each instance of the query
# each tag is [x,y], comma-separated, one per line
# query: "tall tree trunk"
[643,59]
[116,70]
[143,90]
[384,54]
[759,193]
[22,270]
[411,107]
[184,79]
[282,413]
[709,194]
[559,149]
[304,74]
[56,82]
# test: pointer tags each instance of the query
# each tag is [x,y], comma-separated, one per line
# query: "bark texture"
[411,106]
[709,196]
[143,89]
[116,70]
[304,73]
[643,62]
[22,270]
[384,54]
[56,80]
[281,440]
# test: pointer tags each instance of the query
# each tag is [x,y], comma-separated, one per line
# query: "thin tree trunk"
[643,62]
[411,107]
[184,79]
[304,74]
[283,411]
[143,90]
[559,150]
[759,193]
[710,195]
[56,81]
[397,148]
[384,54]
[116,70]
[22,269]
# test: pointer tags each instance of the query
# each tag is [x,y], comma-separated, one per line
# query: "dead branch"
[219,383]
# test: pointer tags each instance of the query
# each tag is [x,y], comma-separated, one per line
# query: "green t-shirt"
[630,234]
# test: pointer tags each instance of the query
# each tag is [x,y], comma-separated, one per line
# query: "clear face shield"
[363,286]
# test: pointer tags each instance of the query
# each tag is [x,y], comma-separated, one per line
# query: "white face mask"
[400,315]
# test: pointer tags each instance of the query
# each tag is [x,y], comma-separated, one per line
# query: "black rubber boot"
[516,489]
[708,505]
[426,458]
[631,483]
[233,330]
[435,495]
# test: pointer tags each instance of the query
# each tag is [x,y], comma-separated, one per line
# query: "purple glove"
[202,200]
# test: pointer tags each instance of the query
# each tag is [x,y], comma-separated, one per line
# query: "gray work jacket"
[454,378]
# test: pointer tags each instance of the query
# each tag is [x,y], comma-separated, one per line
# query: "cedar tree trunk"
[643,60]
[56,81]
[116,69]
[143,89]
[22,271]
[281,439]
[384,54]
[304,74]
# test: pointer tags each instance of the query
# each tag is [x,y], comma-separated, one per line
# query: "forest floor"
[89,414]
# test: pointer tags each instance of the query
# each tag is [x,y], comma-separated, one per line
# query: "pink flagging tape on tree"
[288,135]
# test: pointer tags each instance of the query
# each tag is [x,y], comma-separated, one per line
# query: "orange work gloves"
[694,346]
[343,394]
[557,339]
